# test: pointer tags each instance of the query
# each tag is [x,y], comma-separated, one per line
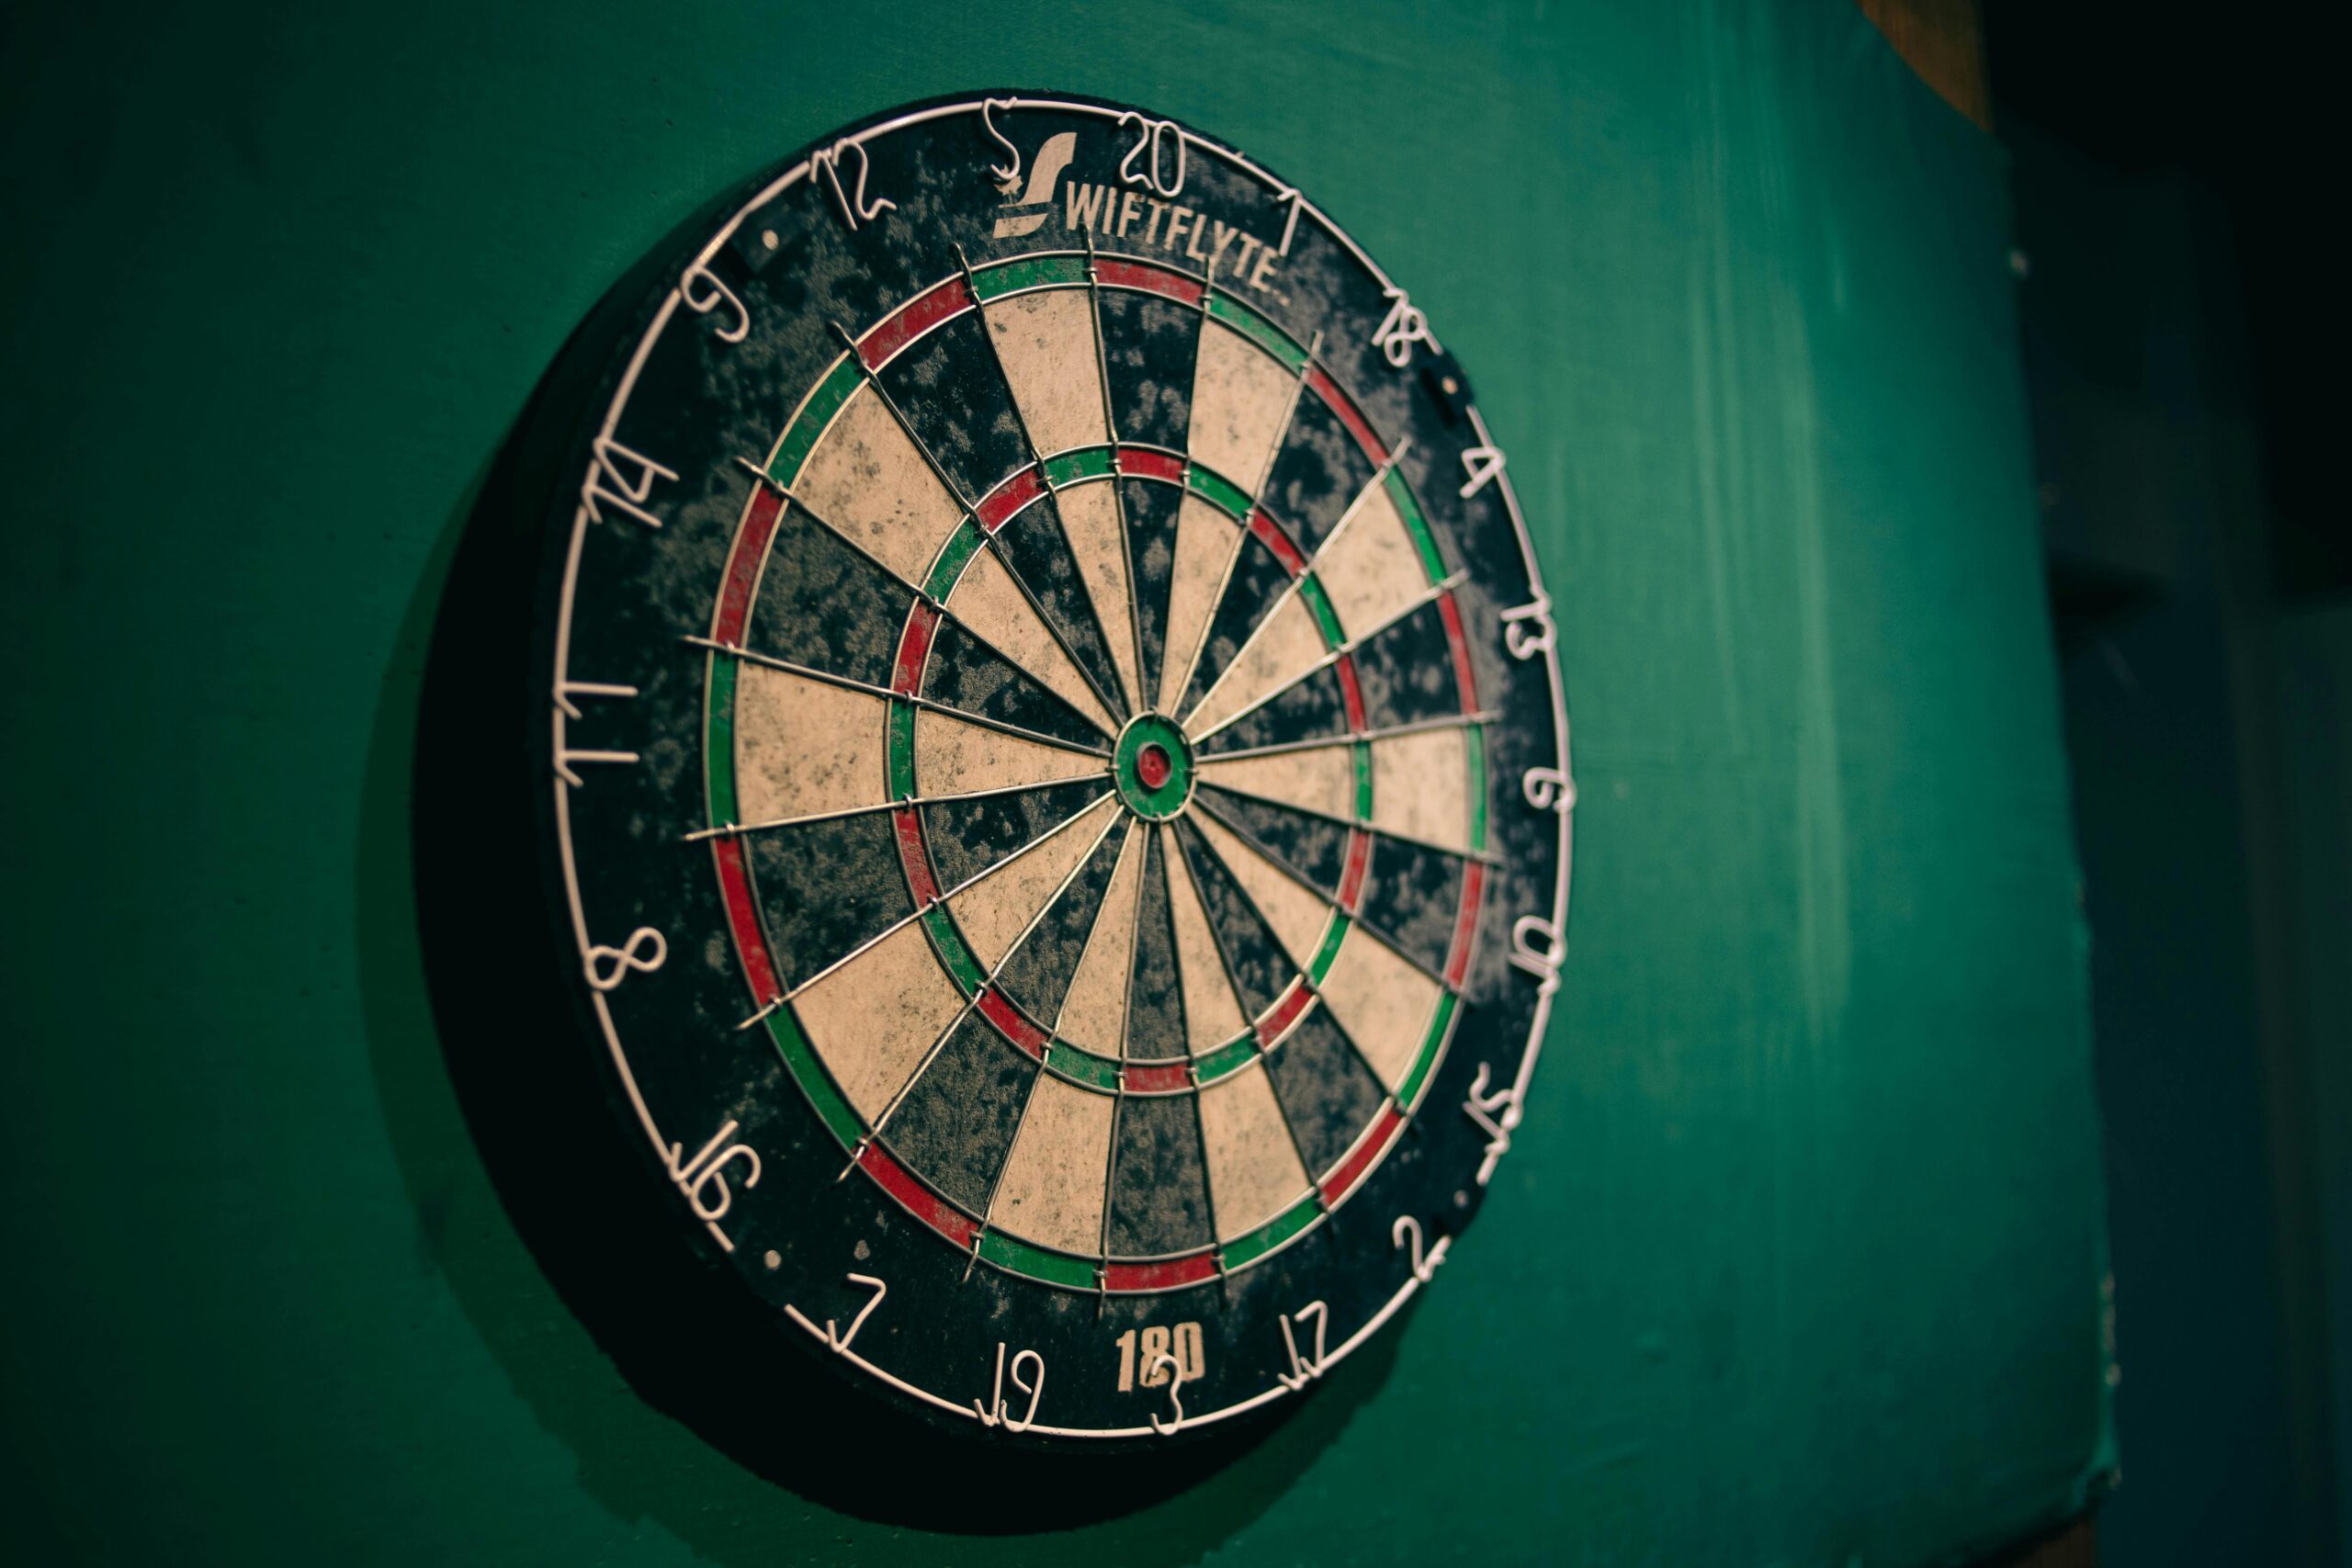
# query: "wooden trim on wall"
[1943,40]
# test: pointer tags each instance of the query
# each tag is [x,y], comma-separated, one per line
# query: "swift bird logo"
[1052,159]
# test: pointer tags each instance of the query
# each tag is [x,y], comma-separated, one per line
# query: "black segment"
[1315,847]
[1327,1091]
[968,675]
[1413,895]
[1155,1007]
[1408,671]
[1148,346]
[967,837]
[1255,585]
[1034,547]
[1037,973]
[1318,473]
[826,606]
[1152,554]
[825,887]
[1309,708]
[956,1123]
[1253,955]
[950,393]
[1160,1195]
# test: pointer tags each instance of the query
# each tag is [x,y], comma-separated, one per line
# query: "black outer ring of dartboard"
[575,393]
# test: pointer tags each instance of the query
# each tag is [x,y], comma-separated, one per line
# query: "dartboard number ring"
[1056,770]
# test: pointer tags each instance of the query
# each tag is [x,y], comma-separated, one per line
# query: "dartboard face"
[1057,770]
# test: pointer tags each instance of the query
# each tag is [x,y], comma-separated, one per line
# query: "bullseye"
[1153,766]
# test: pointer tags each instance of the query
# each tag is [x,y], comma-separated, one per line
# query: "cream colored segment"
[1383,1002]
[1285,648]
[1254,1173]
[1090,515]
[1212,1013]
[955,757]
[1047,343]
[1206,541]
[1241,398]
[1421,787]
[1094,1009]
[805,746]
[1050,1191]
[986,600]
[1320,779]
[1298,914]
[869,481]
[872,1019]
[995,910]
[1370,567]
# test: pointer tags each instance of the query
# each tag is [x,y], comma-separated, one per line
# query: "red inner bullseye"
[1153,765]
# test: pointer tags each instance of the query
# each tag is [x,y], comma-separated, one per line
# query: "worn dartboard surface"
[1057,771]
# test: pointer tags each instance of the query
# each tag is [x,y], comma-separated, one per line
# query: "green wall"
[1797,1257]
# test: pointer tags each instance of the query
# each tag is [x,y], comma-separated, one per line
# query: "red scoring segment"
[743,565]
[1284,1012]
[908,827]
[1149,464]
[1162,1275]
[1150,280]
[919,1201]
[1340,404]
[1000,503]
[1352,695]
[918,315]
[1153,765]
[1351,879]
[735,886]
[1461,647]
[1270,533]
[1351,1169]
[906,677]
[1158,1077]
[1013,1024]
[1466,924]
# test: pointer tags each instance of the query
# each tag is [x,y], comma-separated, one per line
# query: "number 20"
[1151,135]
[1182,1346]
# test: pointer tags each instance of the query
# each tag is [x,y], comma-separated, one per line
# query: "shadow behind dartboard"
[542,1101]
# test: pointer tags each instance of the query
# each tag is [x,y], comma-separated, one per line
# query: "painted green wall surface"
[1797,1259]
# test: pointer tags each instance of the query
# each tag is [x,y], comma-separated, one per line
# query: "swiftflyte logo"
[1039,195]
[1216,247]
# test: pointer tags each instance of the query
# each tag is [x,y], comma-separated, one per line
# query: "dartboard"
[1056,769]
